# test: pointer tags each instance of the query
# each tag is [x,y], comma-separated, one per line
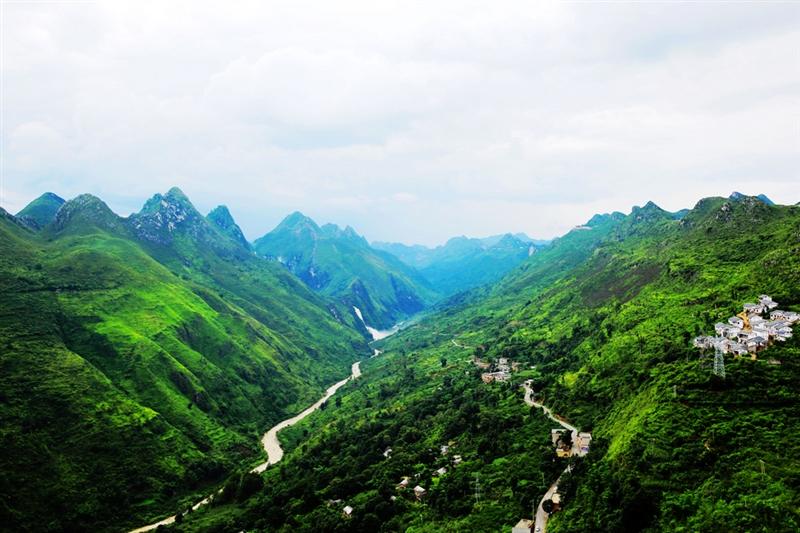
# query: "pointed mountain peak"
[82,213]
[163,214]
[649,207]
[296,221]
[223,220]
[42,210]
[736,195]
[222,217]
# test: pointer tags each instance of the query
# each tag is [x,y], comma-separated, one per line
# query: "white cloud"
[405,197]
[501,116]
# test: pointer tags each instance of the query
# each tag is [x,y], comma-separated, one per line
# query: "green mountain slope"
[463,263]
[41,211]
[142,358]
[340,263]
[609,330]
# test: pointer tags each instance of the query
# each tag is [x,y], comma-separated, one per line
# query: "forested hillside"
[339,263]
[606,316]
[143,357]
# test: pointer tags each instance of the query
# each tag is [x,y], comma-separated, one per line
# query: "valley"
[166,330]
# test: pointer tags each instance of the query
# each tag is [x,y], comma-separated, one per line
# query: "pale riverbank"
[270,442]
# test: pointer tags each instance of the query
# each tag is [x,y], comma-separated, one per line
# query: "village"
[503,372]
[749,333]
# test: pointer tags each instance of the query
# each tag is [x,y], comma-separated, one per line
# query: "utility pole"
[763,472]
[674,391]
[543,485]
[477,489]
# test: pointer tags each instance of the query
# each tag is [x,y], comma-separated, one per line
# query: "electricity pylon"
[719,362]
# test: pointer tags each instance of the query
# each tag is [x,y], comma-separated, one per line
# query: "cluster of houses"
[503,373]
[749,332]
[563,449]
[419,491]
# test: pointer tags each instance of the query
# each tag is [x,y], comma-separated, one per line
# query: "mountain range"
[463,263]
[600,323]
[142,357]
[339,263]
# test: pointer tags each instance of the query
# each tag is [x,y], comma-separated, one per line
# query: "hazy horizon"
[410,122]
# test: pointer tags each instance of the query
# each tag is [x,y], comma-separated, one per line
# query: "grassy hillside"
[340,263]
[607,321]
[41,211]
[142,360]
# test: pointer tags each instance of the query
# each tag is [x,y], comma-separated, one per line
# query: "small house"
[755,309]
[488,377]
[445,450]
[419,492]
[745,336]
[583,441]
[403,484]
[523,526]
[564,451]
[756,344]
[331,503]
[773,362]
[456,459]
[777,315]
[702,342]
[442,471]
[387,451]
[736,321]
[739,350]
[347,511]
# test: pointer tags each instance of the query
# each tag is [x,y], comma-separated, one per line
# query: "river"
[270,442]
[377,334]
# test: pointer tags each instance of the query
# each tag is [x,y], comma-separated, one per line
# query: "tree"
[547,506]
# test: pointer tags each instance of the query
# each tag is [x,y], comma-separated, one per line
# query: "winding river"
[271,443]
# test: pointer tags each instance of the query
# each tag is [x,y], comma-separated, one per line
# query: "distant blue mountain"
[761,197]
[463,263]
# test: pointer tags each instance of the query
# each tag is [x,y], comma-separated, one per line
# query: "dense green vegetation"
[340,263]
[462,263]
[414,404]
[141,360]
[606,315]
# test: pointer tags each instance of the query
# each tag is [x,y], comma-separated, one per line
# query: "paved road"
[541,516]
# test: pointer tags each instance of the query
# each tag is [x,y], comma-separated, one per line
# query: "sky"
[410,122]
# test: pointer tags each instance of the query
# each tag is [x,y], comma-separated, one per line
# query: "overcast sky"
[410,122]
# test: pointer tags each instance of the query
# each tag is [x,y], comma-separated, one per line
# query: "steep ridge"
[142,357]
[339,263]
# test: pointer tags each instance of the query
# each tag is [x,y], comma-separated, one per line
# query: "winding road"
[541,516]
[270,442]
